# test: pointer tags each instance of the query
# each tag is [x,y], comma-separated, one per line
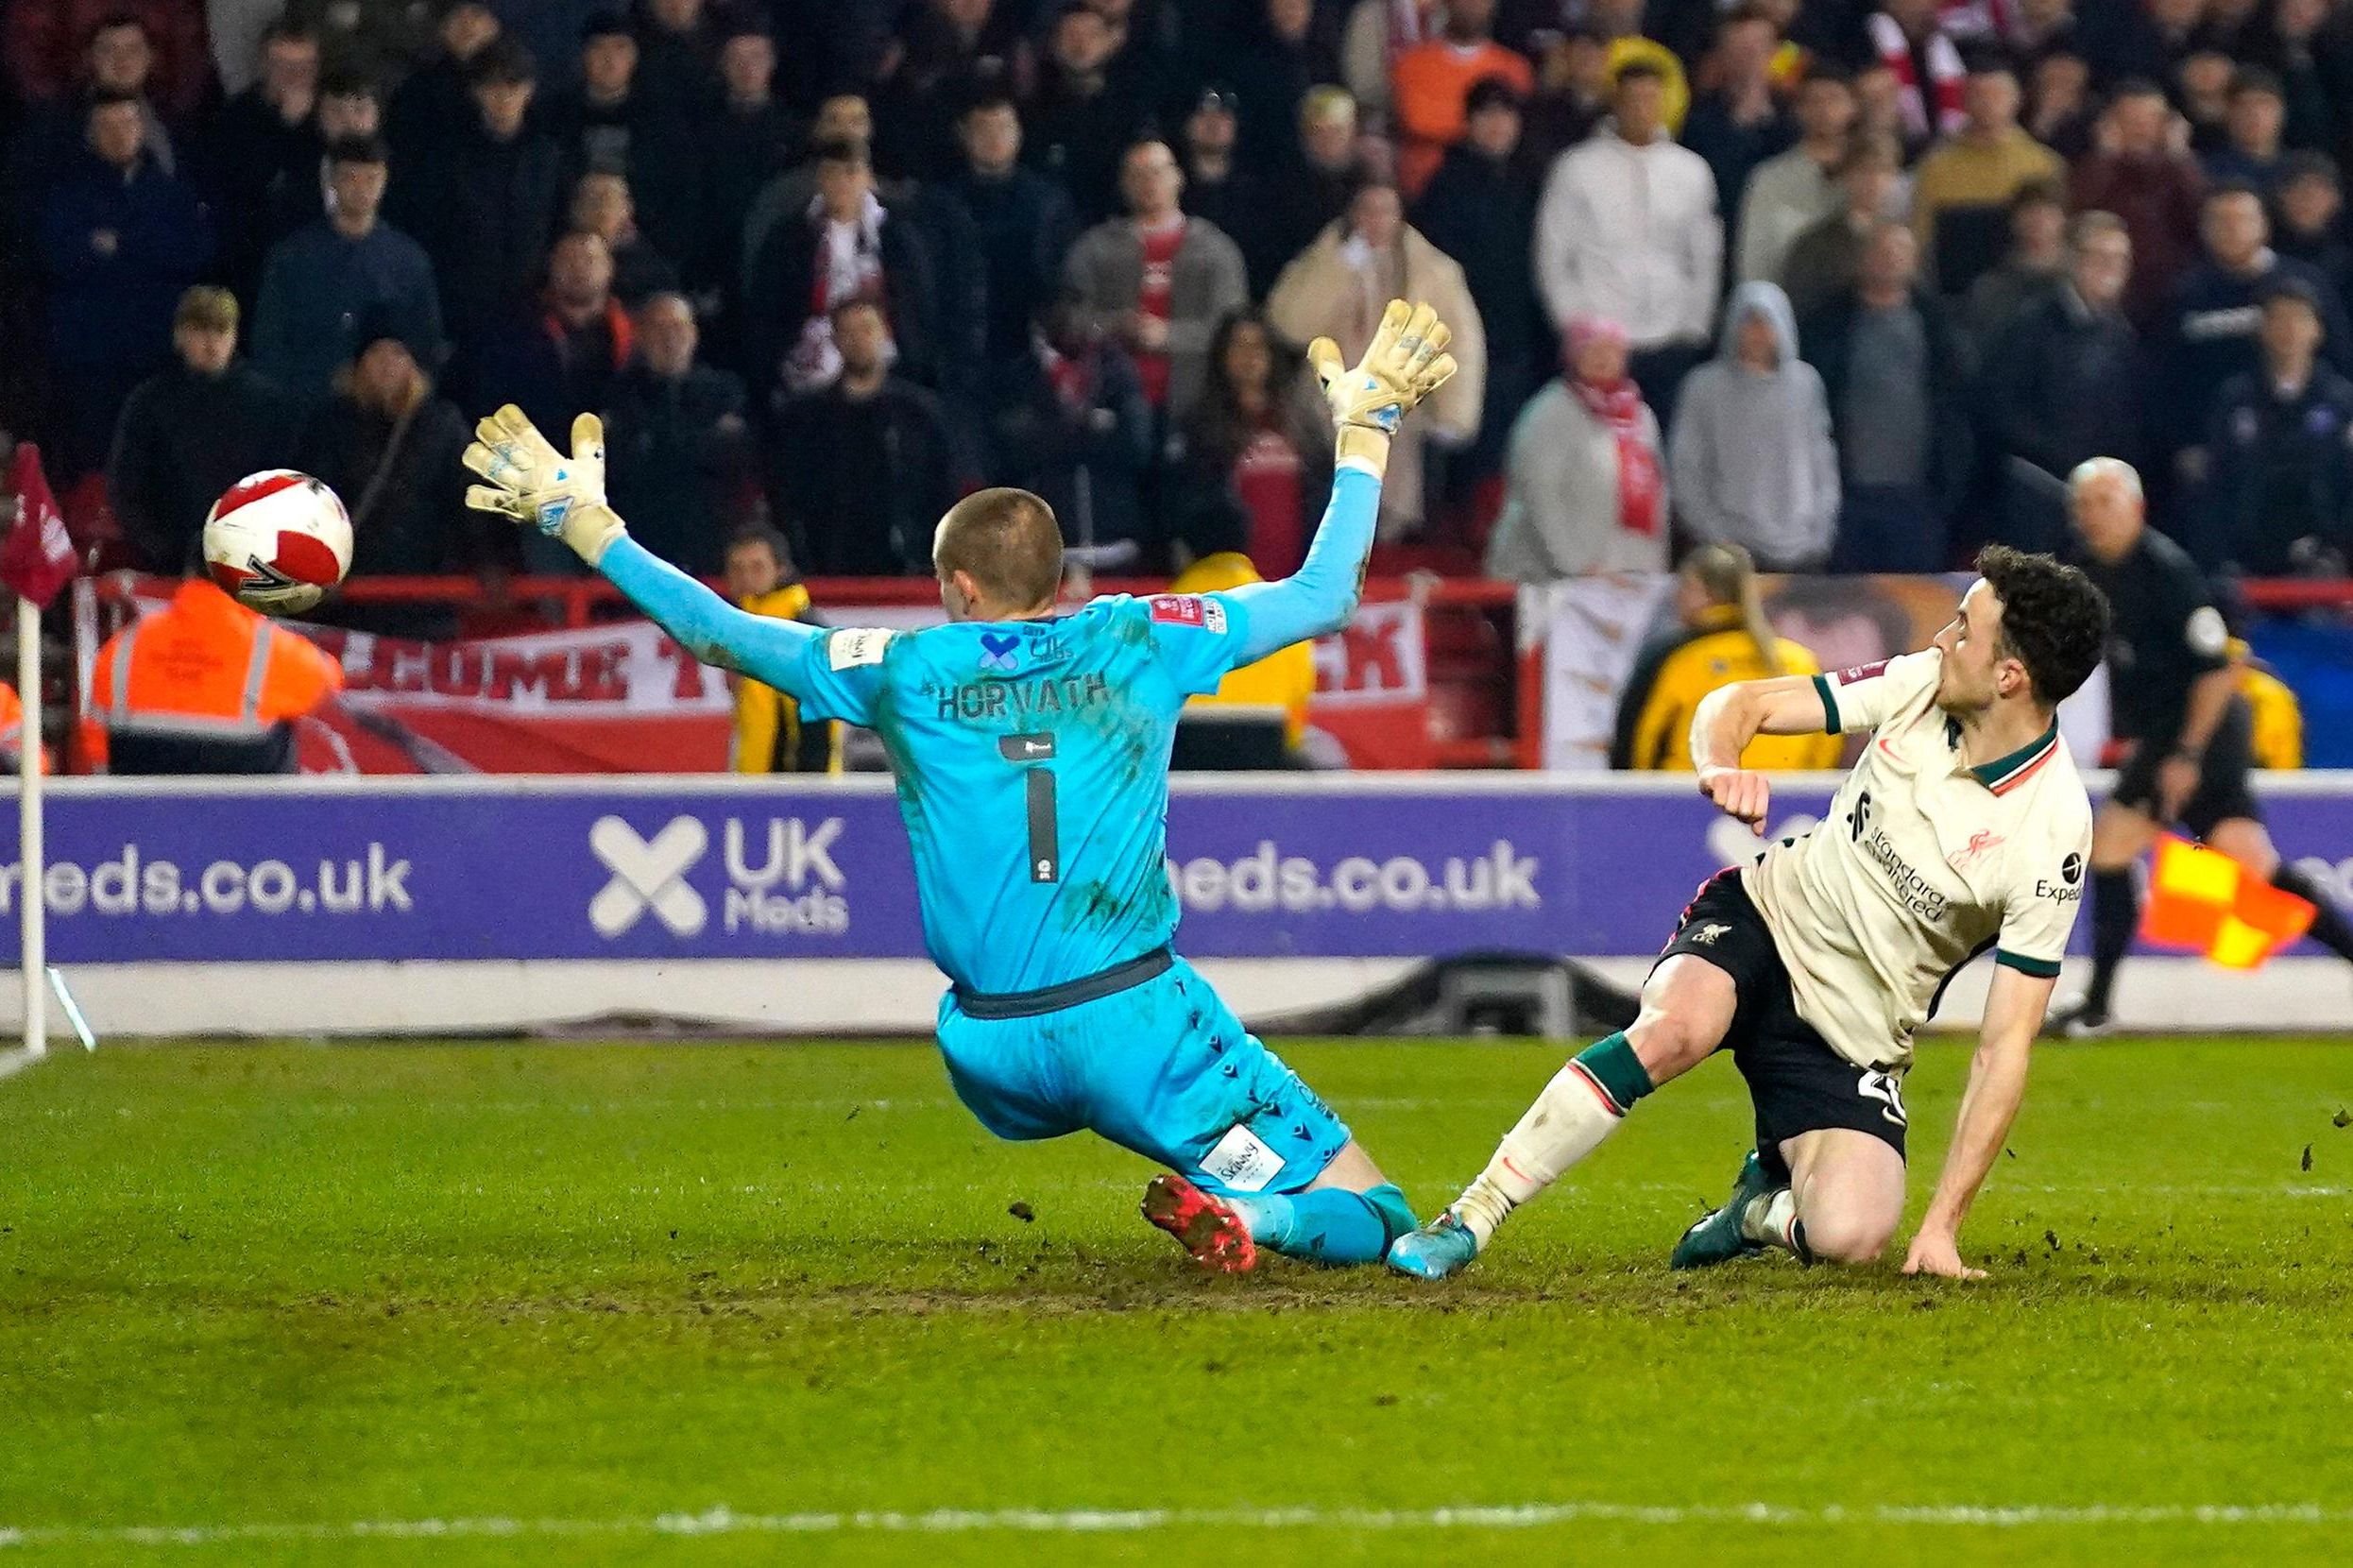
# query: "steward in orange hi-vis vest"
[13,731]
[205,686]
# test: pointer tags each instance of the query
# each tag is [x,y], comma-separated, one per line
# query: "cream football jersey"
[1922,863]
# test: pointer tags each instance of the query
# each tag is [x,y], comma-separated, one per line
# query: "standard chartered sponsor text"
[1502,879]
[130,883]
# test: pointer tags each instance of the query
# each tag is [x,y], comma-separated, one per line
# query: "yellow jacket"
[1655,709]
[2279,718]
[1285,679]
[769,735]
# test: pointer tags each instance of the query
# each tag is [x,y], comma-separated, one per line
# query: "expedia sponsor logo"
[2068,889]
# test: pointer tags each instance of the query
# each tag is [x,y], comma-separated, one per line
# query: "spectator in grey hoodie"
[1750,454]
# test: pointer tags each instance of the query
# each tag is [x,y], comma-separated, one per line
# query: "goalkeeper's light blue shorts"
[1147,1055]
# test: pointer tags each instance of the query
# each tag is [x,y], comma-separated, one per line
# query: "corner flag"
[37,557]
[36,562]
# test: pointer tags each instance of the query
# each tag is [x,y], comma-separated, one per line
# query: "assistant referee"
[2173,700]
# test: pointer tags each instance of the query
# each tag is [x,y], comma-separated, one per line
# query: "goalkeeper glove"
[533,483]
[1405,363]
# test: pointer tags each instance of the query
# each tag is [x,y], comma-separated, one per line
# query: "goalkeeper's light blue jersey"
[1031,756]
[1033,766]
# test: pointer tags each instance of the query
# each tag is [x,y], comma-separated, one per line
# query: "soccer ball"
[279,540]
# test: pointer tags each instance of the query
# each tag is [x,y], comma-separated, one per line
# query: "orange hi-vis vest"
[207,669]
[13,732]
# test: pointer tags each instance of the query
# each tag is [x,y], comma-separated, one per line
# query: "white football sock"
[1772,1218]
[1567,1122]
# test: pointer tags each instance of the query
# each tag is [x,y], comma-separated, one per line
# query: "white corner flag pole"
[32,902]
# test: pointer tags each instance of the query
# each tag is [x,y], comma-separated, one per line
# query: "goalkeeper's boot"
[1213,1234]
[1444,1246]
[1717,1236]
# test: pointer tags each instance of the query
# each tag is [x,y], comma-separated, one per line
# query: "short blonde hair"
[1007,541]
[211,309]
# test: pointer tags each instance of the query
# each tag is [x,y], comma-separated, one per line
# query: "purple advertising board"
[1294,867]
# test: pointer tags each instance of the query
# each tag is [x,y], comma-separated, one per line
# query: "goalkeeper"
[1032,750]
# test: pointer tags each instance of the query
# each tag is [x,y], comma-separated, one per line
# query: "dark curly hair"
[2055,620]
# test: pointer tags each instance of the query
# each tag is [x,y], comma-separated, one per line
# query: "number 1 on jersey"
[1034,752]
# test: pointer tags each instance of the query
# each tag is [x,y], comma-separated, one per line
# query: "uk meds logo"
[648,874]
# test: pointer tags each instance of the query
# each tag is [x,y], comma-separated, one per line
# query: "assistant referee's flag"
[2202,899]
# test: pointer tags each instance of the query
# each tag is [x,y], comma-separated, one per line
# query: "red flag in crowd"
[36,559]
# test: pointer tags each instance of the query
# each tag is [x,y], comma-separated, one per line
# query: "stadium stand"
[505,193]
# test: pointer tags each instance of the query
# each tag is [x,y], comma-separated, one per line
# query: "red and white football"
[279,540]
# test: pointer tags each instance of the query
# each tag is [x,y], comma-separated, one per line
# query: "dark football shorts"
[1795,1081]
[2223,790]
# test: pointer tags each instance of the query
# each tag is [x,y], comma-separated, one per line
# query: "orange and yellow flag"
[2202,899]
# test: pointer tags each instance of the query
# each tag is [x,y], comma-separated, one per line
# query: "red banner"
[625,698]
[622,698]
[1373,688]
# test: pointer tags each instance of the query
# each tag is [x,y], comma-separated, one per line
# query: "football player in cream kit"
[1963,829]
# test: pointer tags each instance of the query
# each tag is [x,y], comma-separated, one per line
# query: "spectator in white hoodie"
[1750,456]
[1628,230]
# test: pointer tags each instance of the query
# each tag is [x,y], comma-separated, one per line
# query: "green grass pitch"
[569,1301]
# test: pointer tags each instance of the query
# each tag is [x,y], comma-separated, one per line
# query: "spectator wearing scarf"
[1908,40]
[846,245]
[1586,484]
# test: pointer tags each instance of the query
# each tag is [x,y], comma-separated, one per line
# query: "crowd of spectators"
[1849,285]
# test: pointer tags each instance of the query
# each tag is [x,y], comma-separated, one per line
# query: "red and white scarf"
[848,266]
[1945,76]
[1619,405]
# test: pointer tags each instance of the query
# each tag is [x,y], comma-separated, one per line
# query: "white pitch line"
[1518,1516]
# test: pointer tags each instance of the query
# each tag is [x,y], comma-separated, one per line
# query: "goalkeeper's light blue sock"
[1327,1224]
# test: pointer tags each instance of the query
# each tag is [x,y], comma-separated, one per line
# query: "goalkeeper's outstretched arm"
[1405,363]
[763,647]
[531,483]
[1323,594]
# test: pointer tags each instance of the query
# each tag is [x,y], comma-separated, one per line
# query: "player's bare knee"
[1686,1007]
[1668,1041]
[1848,1236]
